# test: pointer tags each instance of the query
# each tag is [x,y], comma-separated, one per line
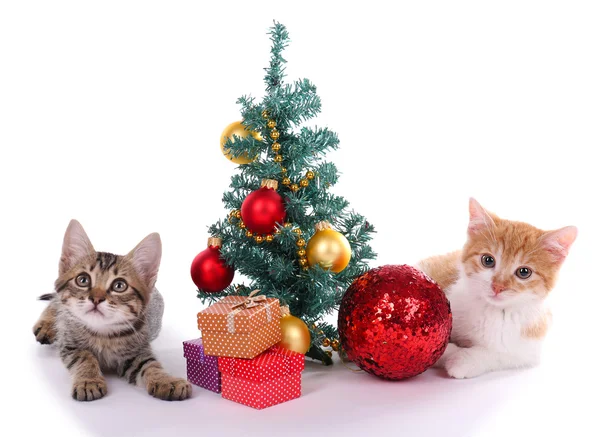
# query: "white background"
[111,113]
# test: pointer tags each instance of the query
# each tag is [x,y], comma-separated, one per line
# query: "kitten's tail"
[47,296]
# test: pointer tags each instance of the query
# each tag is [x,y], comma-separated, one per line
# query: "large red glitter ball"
[262,210]
[209,271]
[394,322]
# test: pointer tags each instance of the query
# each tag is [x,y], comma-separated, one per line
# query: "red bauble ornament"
[263,209]
[394,322]
[209,271]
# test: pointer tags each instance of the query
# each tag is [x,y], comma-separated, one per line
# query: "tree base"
[316,353]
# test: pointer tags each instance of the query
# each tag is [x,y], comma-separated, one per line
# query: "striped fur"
[99,324]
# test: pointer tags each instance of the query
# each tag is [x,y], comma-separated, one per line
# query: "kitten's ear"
[479,218]
[559,242]
[76,246]
[145,258]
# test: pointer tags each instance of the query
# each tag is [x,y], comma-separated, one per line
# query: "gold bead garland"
[278,158]
[236,216]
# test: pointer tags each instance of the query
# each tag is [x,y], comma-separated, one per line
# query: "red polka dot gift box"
[202,370]
[271,378]
[240,326]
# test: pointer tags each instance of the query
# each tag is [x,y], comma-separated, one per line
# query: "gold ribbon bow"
[251,301]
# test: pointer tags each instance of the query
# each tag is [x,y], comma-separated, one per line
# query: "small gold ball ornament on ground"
[328,248]
[238,129]
[295,334]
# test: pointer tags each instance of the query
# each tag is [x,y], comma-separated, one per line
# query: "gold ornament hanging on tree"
[295,334]
[328,248]
[238,129]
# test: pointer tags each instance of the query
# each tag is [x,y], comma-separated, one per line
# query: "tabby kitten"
[98,317]
[497,286]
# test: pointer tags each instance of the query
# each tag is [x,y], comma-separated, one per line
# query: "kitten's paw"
[168,388]
[44,331]
[461,364]
[89,389]
[450,349]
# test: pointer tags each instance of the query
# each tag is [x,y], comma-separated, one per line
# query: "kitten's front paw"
[462,364]
[168,388]
[450,349]
[89,389]
[44,331]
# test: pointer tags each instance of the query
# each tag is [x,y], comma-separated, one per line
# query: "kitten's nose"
[97,300]
[498,288]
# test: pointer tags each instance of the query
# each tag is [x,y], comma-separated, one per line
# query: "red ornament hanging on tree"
[209,271]
[394,322]
[263,209]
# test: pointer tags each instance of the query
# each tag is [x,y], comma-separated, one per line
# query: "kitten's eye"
[488,261]
[119,285]
[523,272]
[83,280]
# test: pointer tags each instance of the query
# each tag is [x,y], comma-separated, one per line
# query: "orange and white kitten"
[497,286]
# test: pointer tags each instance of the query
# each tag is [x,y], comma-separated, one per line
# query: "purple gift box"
[202,370]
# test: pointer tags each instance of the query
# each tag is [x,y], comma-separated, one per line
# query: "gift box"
[271,378]
[202,370]
[240,326]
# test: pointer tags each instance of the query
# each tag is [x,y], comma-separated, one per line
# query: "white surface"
[110,113]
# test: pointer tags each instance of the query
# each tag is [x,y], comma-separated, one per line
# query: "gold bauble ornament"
[310,175]
[278,158]
[302,253]
[249,234]
[238,129]
[335,345]
[275,147]
[294,187]
[303,262]
[328,248]
[286,181]
[288,225]
[301,242]
[283,170]
[265,114]
[271,124]
[326,342]
[269,238]
[274,134]
[295,335]
[297,231]
[242,225]
[303,183]
[259,239]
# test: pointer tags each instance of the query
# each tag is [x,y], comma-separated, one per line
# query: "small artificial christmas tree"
[286,181]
